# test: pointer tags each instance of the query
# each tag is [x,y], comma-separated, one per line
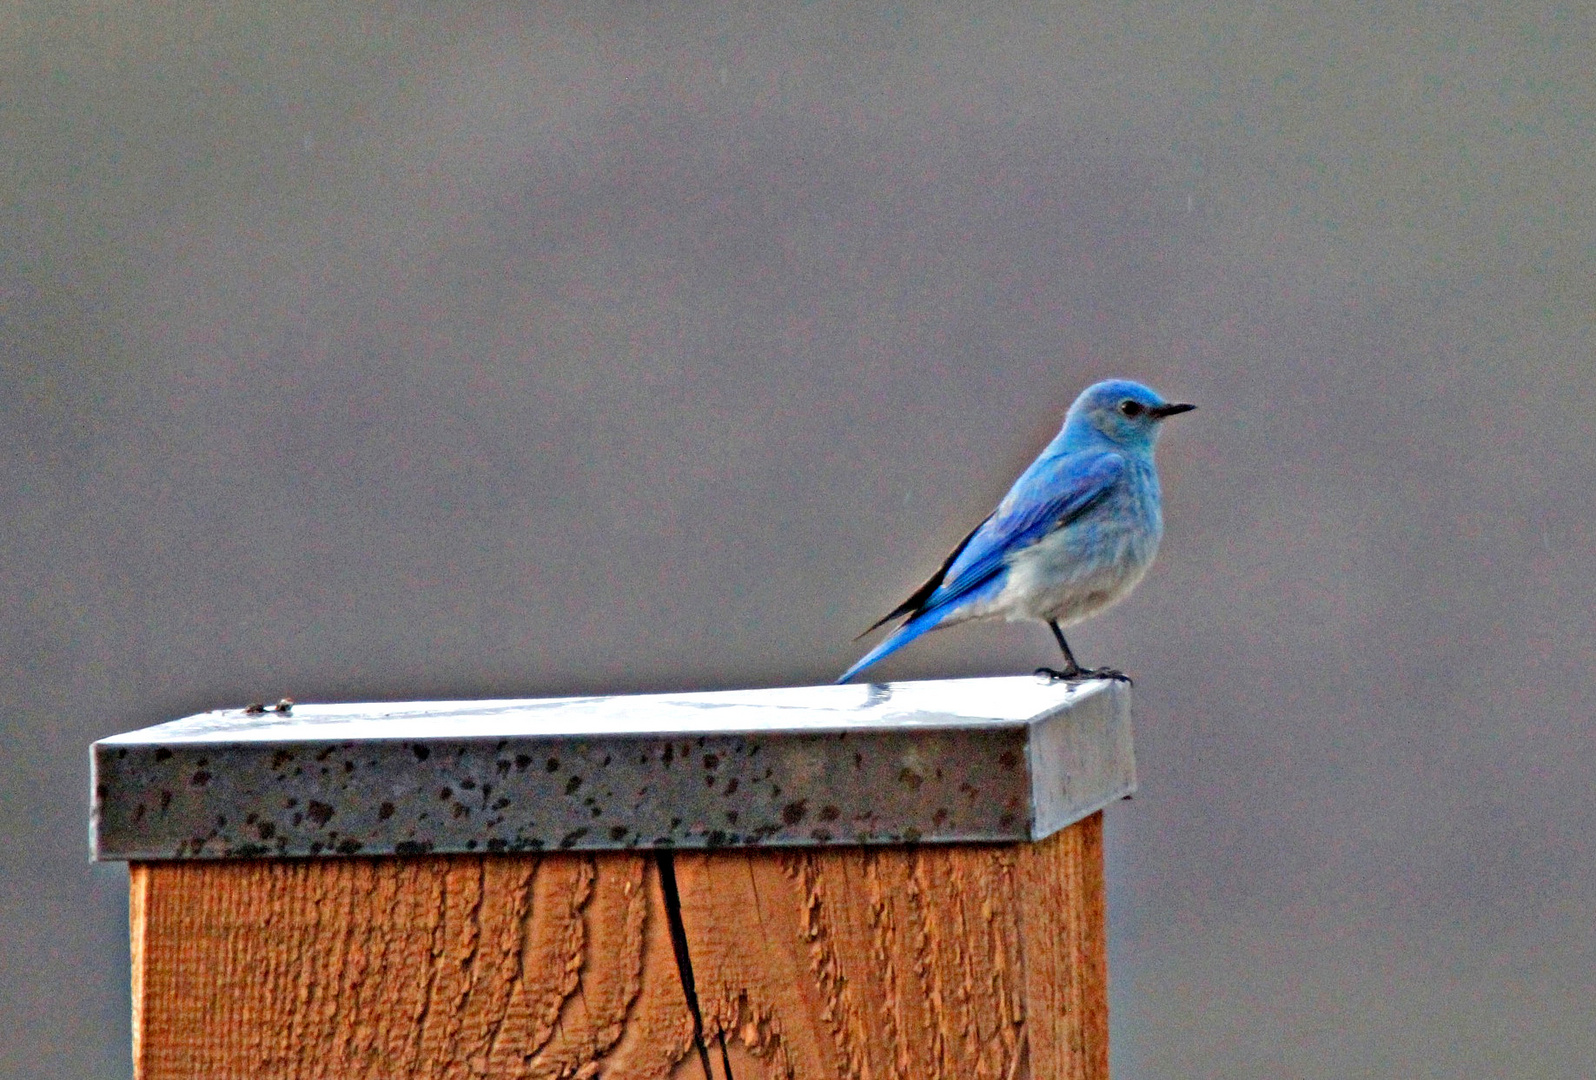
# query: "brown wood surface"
[904,963]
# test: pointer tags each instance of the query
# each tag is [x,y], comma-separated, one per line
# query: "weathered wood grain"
[914,962]
[424,967]
[908,963]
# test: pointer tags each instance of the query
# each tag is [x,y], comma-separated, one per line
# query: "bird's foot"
[1081,674]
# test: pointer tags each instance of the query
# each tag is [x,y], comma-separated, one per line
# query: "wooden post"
[861,914]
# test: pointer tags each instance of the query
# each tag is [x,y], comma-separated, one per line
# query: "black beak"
[1164,412]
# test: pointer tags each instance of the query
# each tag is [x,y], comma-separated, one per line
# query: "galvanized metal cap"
[959,760]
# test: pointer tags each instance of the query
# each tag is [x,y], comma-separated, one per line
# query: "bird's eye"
[1132,408]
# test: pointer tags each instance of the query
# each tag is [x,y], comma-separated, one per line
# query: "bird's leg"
[1074,672]
[1073,669]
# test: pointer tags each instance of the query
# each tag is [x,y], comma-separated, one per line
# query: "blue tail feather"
[894,641]
[921,624]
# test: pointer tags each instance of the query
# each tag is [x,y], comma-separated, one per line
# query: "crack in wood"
[684,962]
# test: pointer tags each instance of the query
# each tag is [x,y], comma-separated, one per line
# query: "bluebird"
[1072,537]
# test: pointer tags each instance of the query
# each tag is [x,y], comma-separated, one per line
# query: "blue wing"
[1053,492]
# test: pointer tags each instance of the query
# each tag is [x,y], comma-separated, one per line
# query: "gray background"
[542,349]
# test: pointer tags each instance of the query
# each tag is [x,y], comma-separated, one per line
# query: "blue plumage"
[1073,536]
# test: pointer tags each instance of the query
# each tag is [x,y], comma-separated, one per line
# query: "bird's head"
[1125,413]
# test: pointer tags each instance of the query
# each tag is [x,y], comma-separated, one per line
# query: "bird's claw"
[1053,675]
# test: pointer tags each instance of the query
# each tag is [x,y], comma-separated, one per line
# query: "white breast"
[1090,565]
